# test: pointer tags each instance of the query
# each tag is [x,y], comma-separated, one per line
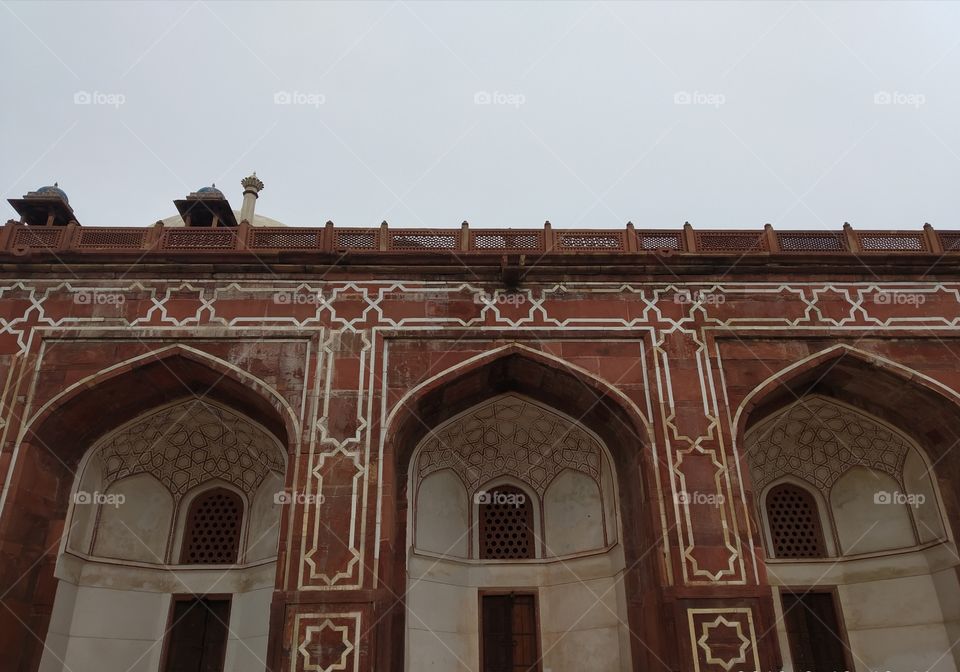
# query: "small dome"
[210,191]
[53,191]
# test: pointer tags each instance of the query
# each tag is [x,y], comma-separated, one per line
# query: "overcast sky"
[801,114]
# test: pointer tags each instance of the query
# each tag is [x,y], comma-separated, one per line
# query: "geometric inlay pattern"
[723,639]
[818,440]
[327,642]
[725,654]
[188,444]
[510,436]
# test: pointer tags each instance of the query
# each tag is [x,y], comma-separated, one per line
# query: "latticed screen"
[794,523]
[508,241]
[506,525]
[213,529]
[892,242]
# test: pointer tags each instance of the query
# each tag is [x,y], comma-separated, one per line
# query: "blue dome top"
[210,191]
[54,191]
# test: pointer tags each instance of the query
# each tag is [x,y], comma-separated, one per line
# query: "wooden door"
[197,641]
[816,639]
[509,632]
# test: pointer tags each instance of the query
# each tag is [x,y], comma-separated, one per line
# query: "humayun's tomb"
[227,444]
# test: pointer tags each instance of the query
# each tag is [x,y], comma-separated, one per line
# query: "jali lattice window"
[794,523]
[213,529]
[506,525]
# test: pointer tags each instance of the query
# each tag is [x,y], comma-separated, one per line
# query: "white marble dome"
[258,220]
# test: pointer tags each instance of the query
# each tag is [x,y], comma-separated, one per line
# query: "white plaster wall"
[442,625]
[443,515]
[863,525]
[249,629]
[580,627]
[99,629]
[947,585]
[899,615]
[264,520]
[96,627]
[897,624]
[572,514]
[137,528]
[581,611]
[926,513]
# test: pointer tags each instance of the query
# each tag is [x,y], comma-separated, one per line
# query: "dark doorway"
[816,639]
[197,639]
[509,633]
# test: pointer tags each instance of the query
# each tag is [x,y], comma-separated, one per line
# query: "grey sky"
[726,115]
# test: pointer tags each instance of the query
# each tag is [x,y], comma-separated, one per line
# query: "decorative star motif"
[704,643]
[315,631]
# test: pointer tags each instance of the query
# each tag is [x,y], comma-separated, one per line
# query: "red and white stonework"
[357,393]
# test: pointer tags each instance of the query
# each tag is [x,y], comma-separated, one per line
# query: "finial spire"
[251,191]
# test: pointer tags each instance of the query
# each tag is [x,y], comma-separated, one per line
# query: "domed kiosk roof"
[209,192]
[53,191]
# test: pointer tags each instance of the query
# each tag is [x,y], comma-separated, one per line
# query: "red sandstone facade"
[668,345]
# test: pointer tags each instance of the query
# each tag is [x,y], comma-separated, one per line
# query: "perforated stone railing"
[20,239]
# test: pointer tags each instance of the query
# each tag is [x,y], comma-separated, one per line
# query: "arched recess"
[54,442]
[925,410]
[882,426]
[594,403]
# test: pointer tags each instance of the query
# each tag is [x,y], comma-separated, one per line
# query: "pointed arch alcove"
[50,458]
[549,384]
[870,442]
